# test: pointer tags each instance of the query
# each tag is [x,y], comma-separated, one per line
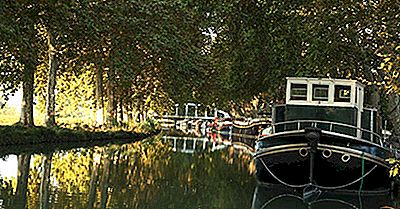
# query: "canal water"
[161,172]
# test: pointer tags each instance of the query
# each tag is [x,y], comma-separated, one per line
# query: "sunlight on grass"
[8,116]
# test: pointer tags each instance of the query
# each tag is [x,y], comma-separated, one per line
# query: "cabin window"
[342,93]
[298,91]
[320,92]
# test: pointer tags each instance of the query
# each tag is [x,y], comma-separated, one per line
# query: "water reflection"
[22,183]
[146,174]
[268,197]
[11,163]
[162,172]
[45,181]
[192,145]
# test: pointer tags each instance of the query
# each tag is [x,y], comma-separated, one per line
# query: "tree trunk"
[110,108]
[22,181]
[140,110]
[121,110]
[27,96]
[115,109]
[111,99]
[45,181]
[51,82]
[373,96]
[99,96]
[137,111]
[394,113]
[130,113]
[144,115]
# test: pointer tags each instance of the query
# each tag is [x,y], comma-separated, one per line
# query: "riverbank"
[19,139]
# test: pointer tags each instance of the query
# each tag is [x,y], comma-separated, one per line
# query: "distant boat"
[250,127]
[324,138]
[239,126]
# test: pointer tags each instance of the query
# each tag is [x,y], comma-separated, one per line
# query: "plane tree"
[259,43]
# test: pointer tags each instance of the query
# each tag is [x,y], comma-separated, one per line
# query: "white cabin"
[329,104]
[324,92]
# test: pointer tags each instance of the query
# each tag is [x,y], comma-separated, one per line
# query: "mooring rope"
[318,186]
[334,200]
[278,197]
[348,184]
[311,203]
[362,180]
[279,180]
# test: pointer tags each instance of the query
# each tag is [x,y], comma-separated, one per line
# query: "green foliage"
[10,71]
[148,126]
[75,97]
[394,167]
[222,53]
[258,44]
[7,190]
[390,67]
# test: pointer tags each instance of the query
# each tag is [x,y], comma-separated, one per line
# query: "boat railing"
[335,127]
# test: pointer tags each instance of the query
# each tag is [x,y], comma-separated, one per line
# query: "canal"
[160,172]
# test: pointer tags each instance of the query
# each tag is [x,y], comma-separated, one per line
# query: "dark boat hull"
[335,166]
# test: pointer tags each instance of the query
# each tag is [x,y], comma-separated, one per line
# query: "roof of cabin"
[334,80]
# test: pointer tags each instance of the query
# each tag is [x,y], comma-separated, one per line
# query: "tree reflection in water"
[155,177]
[145,174]
[22,183]
[149,174]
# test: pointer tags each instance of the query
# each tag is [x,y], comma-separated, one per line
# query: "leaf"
[395,172]
[381,66]
[391,160]
[387,59]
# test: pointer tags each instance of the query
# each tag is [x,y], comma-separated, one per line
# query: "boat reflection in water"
[165,172]
[278,196]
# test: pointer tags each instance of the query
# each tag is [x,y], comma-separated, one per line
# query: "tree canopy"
[154,53]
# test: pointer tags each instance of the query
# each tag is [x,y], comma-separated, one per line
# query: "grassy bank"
[18,139]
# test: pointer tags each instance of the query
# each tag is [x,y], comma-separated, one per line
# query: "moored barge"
[324,137]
